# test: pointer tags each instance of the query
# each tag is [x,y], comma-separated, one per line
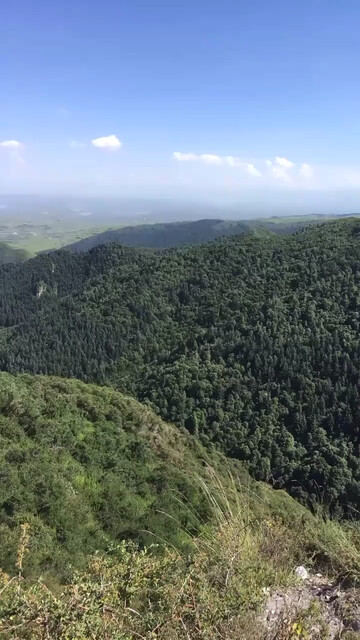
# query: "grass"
[56,238]
[86,467]
[214,592]
[35,232]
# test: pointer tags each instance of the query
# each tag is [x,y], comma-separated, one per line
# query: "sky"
[210,99]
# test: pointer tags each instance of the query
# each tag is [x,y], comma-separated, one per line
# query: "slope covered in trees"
[175,234]
[251,343]
[159,236]
[10,254]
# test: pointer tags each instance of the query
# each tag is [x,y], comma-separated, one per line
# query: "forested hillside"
[159,236]
[250,342]
[175,234]
[10,254]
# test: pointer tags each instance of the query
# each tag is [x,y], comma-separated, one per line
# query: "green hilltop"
[86,467]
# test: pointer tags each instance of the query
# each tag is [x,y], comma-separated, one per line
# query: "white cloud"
[107,142]
[280,168]
[252,170]
[14,150]
[283,162]
[207,158]
[233,161]
[306,171]
[248,167]
[212,159]
[11,144]
[185,157]
[75,144]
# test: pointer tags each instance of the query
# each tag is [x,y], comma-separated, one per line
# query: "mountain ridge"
[174,234]
[9,254]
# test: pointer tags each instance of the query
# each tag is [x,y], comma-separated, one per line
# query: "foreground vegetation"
[86,467]
[213,590]
[116,526]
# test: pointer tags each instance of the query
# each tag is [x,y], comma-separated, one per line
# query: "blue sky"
[199,97]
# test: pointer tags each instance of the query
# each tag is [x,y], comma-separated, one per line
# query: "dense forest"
[250,342]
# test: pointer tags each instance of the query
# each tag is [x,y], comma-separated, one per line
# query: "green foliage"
[137,593]
[214,592]
[87,467]
[250,342]
[140,594]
